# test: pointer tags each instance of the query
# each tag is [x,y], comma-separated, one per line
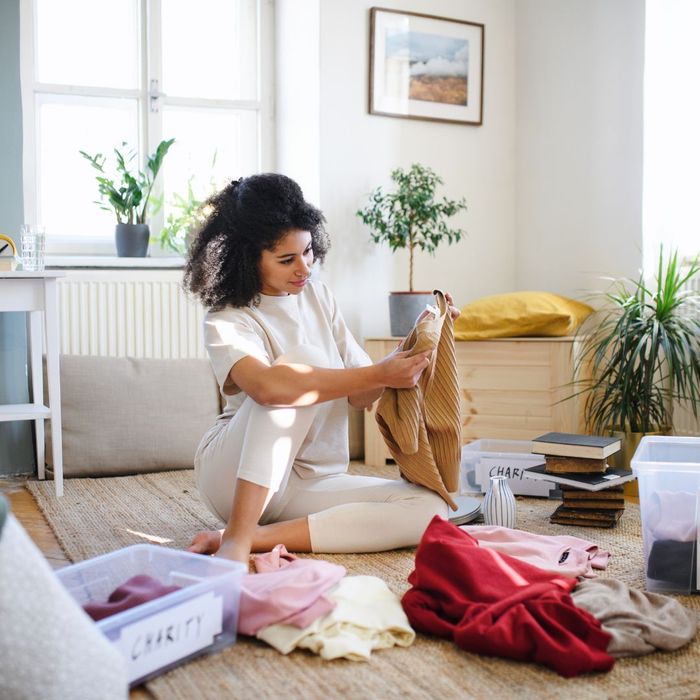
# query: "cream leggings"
[346,513]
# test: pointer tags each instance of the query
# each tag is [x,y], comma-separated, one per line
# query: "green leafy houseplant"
[642,350]
[187,214]
[129,194]
[411,217]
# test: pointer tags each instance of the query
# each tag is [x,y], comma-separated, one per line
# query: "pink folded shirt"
[286,590]
[562,554]
[135,591]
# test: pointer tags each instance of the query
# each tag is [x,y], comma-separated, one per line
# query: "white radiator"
[134,313]
[683,420]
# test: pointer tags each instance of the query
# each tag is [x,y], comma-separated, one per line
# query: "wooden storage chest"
[511,389]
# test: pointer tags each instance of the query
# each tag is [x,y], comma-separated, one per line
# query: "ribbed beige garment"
[422,426]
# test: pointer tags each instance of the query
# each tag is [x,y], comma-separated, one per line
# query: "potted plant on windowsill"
[129,196]
[642,352]
[187,213]
[410,218]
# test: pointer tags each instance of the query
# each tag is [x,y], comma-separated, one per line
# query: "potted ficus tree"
[640,353]
[128,195]
[410,217]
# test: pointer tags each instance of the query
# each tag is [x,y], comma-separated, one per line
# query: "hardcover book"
[589,482]
[613,493]
[560,465]
[573,445]
[599,504]
[592,518]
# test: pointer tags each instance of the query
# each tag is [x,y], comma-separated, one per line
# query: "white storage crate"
[155,636]
[483,459]
[668,473]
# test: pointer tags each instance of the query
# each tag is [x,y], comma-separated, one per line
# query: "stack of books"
[592,491]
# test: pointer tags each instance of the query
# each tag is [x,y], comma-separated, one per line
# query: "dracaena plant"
[411,217]
[642,350]
[128,194]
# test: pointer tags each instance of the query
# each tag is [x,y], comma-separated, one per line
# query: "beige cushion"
[126,415]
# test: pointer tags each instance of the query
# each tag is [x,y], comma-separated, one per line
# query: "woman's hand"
[454,311]
[399,371]
[206,542]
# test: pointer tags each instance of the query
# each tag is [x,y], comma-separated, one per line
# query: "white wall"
[579,142]
[358,150]
[552,178]
[298,93]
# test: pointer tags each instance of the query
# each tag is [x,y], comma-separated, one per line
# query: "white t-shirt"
[267,331]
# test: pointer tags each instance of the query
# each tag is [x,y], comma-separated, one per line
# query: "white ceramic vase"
[499,506]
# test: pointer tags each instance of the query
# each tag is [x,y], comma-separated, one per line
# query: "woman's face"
[285,269]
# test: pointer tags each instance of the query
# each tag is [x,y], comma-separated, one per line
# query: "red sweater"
[494,604]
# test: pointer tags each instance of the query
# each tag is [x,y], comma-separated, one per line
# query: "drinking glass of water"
[32,245]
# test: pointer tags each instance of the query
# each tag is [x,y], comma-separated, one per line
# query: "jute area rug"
[100,515]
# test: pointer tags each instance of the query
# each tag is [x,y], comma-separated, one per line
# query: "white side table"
[36,293]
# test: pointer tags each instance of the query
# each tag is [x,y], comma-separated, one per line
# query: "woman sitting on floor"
[274,465]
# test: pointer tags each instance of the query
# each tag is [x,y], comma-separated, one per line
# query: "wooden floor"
[25,509]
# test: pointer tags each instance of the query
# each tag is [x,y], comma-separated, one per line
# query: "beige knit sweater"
[422,426]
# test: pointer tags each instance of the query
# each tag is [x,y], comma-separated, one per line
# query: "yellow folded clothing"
[520,314]
[367,616]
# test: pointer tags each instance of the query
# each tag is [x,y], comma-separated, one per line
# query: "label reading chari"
[172,634]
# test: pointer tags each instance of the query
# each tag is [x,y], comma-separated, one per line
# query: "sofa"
[124,415]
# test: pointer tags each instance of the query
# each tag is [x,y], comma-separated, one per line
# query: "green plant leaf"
[128,193]
[410,216]
[643,351]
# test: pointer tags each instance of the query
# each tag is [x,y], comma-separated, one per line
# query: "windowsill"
[101,262]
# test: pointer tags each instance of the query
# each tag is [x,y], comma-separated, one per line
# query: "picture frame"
[426,67]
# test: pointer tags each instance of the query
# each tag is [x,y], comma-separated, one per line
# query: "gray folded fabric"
[639,622]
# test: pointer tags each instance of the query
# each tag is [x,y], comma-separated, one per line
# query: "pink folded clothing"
[561,554]
[137,590]
[286,590]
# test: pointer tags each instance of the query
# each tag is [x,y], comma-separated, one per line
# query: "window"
[97,74]
[671,135]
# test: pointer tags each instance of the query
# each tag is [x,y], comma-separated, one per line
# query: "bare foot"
[206,542]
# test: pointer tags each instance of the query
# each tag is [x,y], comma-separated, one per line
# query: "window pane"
[84,42]
[66,187]
[210,48]
[671,135]
[228,138]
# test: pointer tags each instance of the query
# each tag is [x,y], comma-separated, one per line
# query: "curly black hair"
[247,216]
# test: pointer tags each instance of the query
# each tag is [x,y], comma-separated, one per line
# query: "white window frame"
[149,126]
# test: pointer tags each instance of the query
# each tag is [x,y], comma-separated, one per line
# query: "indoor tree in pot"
[410,217]
[129,196]
[641,352]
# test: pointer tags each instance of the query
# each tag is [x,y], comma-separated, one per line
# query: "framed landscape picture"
[425,67]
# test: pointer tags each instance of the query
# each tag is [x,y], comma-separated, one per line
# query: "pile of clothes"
[491,590]
[529,605]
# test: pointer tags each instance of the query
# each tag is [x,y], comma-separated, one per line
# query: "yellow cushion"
[520,314]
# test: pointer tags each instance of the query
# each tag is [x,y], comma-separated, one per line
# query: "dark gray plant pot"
[132,240]
[404,309]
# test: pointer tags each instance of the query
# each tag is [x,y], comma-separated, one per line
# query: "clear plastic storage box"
[483,459]
[668,473]
[155,636]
